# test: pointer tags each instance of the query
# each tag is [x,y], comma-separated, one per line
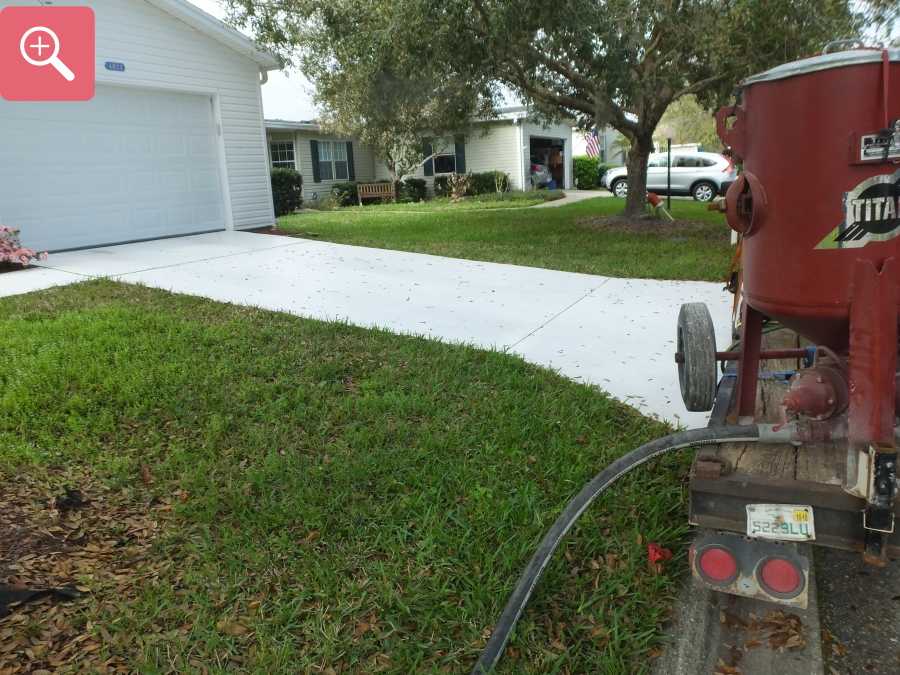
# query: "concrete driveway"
[613,333]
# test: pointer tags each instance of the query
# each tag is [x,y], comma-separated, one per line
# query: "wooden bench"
[375,191]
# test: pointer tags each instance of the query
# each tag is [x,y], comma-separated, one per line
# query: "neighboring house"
[295,145]
[173,142]
[511,143]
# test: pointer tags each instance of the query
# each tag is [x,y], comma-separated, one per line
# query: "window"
[333,163]
[282,153]
[445,160]
[657,161]
[692,162]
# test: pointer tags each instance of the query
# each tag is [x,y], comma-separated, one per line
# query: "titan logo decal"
[871,214]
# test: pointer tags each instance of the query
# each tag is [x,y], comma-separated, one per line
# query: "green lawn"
[566,238]
[329,499]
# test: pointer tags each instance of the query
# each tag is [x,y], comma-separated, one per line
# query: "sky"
[287,95]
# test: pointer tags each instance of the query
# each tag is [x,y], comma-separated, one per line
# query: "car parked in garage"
[703,175]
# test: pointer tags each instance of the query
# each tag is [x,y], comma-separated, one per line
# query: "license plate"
[784,522]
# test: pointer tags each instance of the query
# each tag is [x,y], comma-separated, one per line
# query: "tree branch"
[698,86]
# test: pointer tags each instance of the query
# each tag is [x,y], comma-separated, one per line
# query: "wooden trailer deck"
[727,477]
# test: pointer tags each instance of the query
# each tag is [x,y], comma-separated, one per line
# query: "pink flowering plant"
[12,251]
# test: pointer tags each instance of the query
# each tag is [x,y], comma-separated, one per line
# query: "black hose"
[538,563]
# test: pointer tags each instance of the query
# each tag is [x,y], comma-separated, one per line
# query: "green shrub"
[459,185]
[587,173]
[344,194]
[441,186]
[487,182]
[287,191]
[483,183]
[413,190]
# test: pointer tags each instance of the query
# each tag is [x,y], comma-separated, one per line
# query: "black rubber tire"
[697,342]
[615,185]
[707,191]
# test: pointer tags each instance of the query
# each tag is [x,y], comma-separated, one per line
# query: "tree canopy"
[369,83]
[686,121]
[616,62]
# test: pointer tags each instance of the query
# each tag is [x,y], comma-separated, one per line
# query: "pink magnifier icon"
[32,47]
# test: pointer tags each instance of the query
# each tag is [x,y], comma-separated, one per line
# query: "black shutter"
[314,153]
[351,171]
[428,150]
[460,154]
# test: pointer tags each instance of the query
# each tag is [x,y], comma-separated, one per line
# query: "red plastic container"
[821,184]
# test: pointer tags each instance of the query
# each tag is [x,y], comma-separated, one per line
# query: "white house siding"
[161,52]
[495,147]
[563,131]
[503,147]
[489,147]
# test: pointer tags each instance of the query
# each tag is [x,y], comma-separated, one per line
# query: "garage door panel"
[130,164]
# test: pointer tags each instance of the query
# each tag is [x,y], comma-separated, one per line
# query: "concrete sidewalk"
[573,196]
[617,334]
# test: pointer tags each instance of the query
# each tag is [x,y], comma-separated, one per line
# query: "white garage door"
[130,164]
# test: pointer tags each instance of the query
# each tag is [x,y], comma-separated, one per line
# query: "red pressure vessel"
[820,188]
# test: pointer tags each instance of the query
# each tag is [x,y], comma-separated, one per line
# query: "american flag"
[593,143]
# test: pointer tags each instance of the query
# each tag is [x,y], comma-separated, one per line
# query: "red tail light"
[717,565]
[780,577]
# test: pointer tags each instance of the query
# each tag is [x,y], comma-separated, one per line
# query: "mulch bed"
[269,230]
[281,233]
[69,531]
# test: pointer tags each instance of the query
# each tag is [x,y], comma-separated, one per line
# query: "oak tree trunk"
[638,157]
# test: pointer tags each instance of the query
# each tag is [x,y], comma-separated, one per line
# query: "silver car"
[703,175]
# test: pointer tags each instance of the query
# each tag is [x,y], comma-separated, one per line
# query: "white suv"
[703,175]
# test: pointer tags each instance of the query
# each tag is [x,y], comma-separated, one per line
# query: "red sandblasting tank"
[820,144]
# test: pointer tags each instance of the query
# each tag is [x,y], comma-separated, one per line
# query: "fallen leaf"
[233,628]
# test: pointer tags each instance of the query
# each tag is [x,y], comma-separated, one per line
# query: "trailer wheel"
[697,343]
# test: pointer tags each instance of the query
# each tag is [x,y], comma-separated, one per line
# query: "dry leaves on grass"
[57,535]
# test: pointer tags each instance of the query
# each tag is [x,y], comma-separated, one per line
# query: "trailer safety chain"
[691,438]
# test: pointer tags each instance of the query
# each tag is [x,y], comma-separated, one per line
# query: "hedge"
[485,183]
[441,189]
[287,191]
[587,174]
[413,190]
[344,194]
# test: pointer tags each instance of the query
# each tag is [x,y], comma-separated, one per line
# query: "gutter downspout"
[263,76]
[521,154]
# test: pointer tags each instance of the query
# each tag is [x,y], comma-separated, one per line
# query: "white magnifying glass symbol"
[38,46]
